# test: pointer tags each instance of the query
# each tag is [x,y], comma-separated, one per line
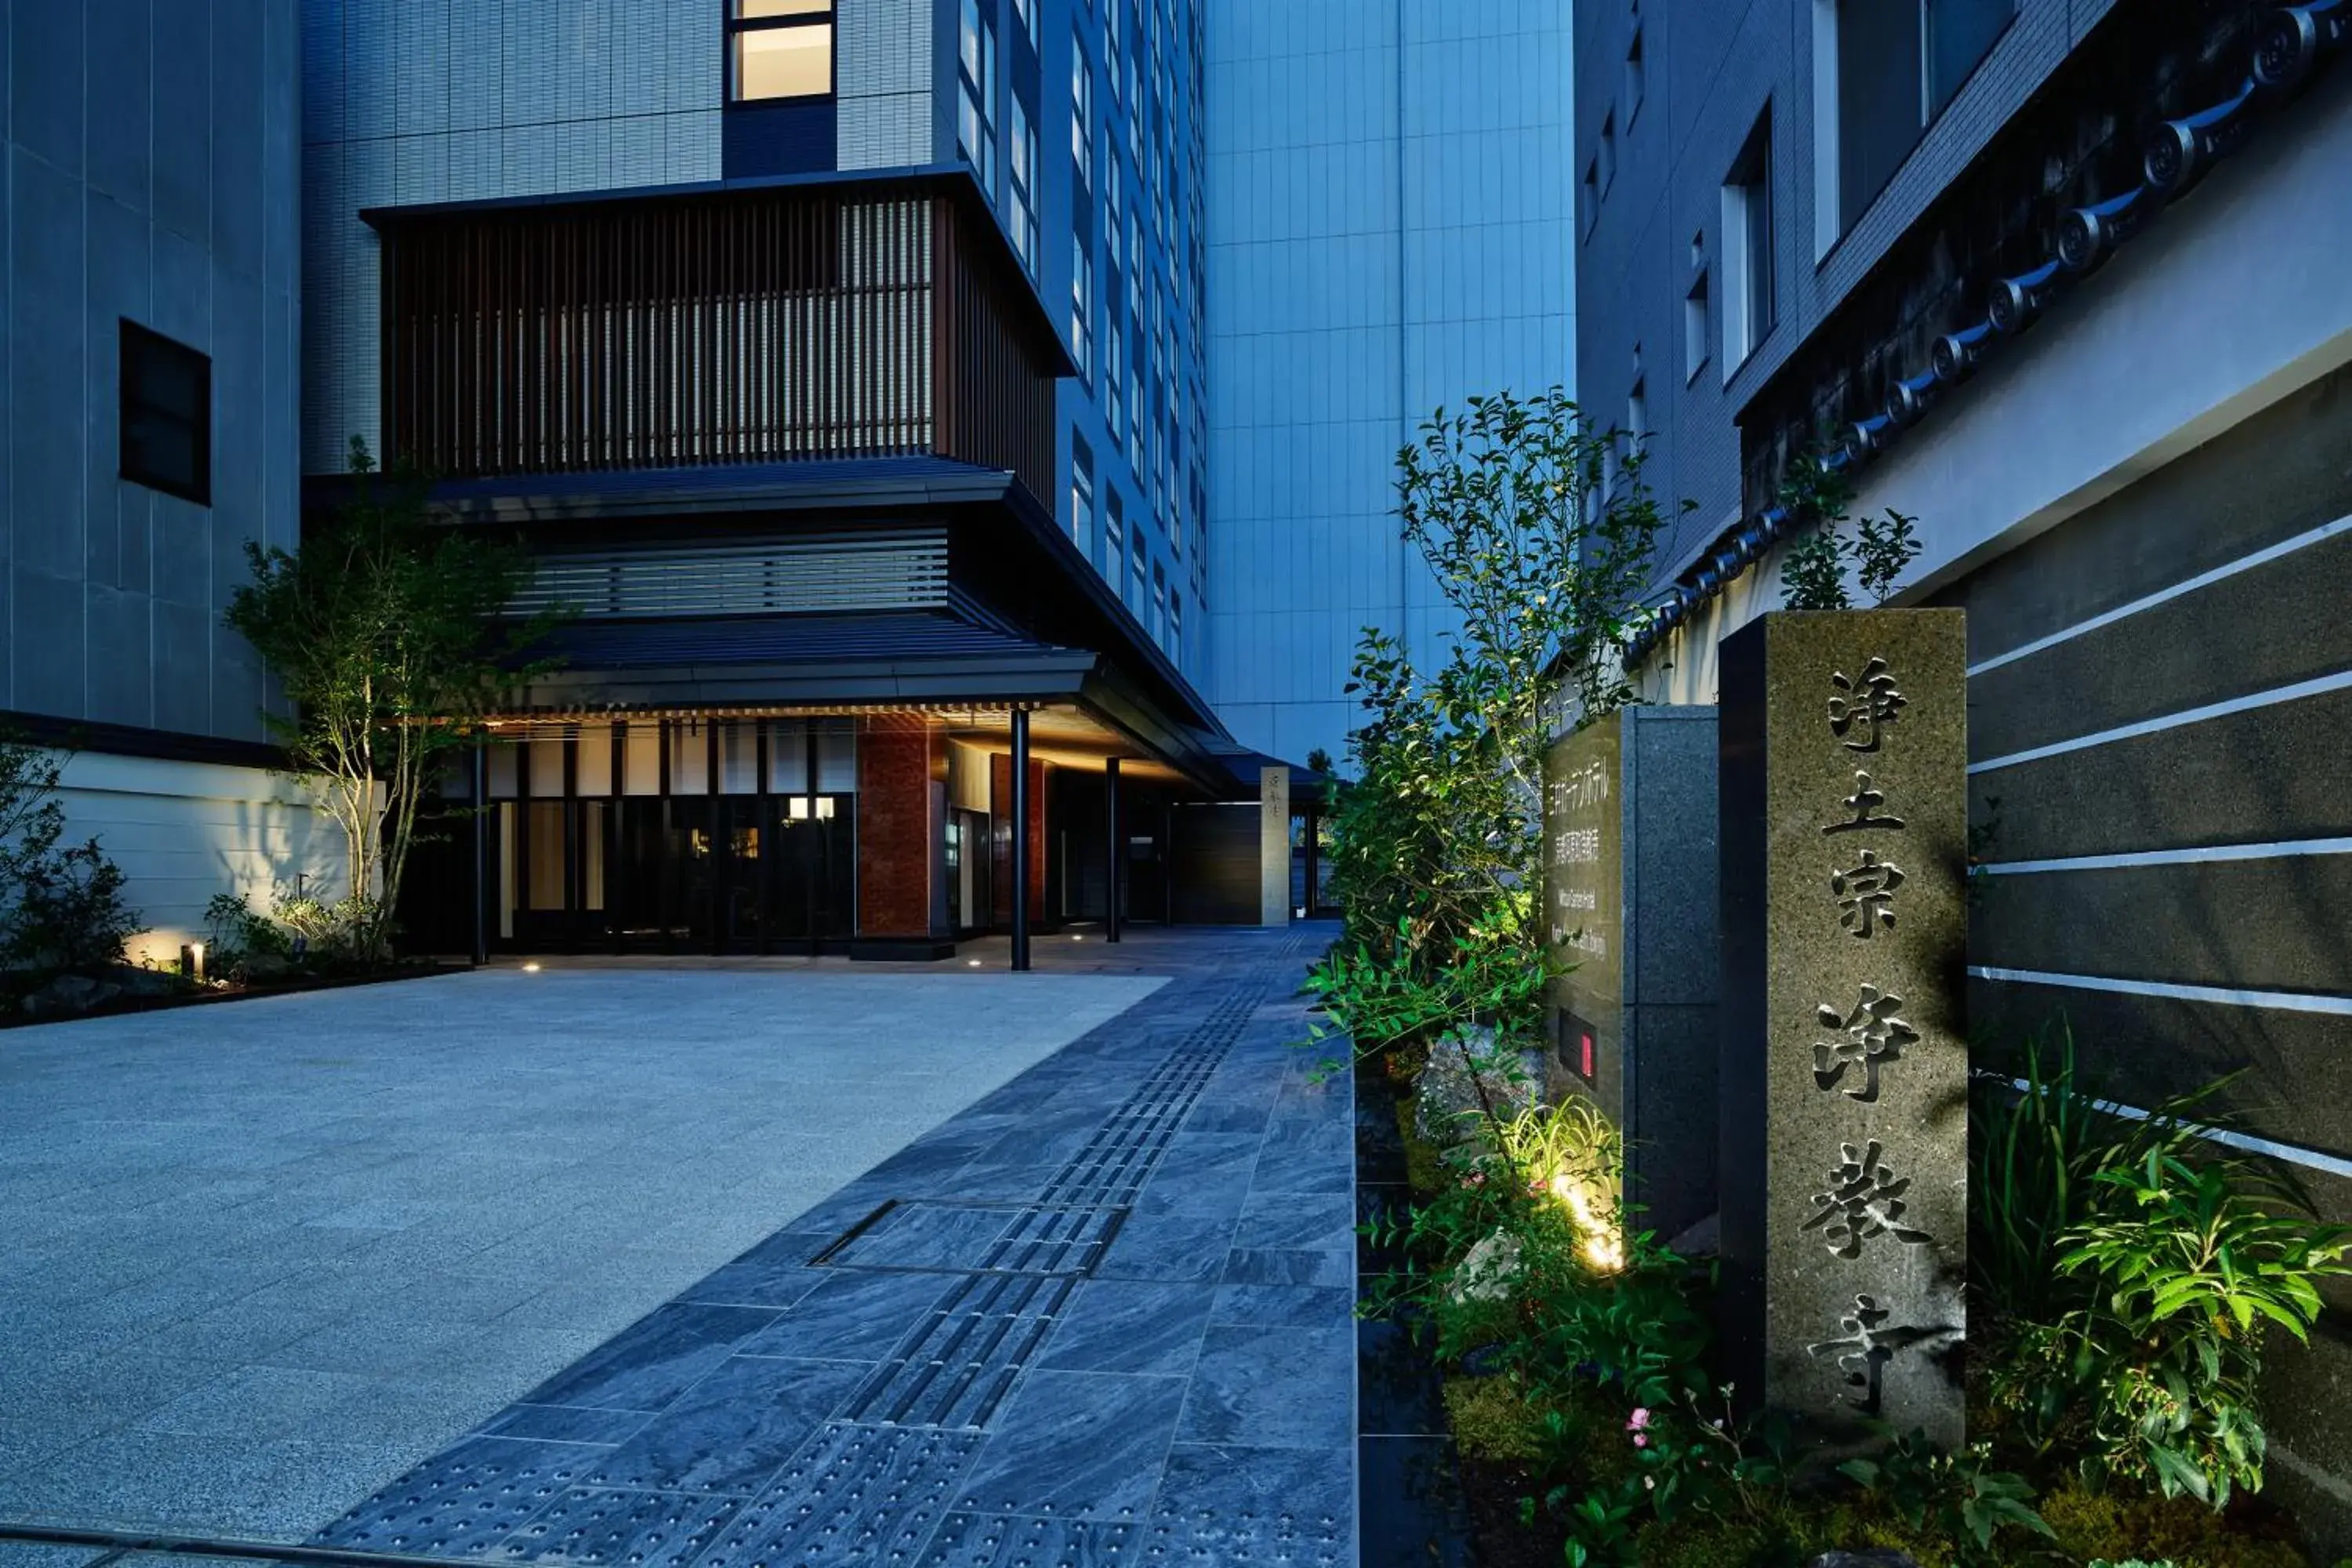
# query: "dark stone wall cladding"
[2257,773]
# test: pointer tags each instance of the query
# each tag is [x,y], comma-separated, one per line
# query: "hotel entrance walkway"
[1102,1309]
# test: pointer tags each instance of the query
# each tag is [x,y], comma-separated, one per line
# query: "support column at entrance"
[481,851]
[1114,880]
[1020,838]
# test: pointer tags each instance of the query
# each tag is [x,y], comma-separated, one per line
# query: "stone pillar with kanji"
[1843,831]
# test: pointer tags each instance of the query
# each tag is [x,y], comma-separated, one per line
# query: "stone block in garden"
[1630,901]
[1449,1101]
[1845,1061]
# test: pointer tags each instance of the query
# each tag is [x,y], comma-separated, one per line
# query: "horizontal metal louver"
[898,571]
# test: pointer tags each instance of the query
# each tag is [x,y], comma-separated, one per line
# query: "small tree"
[386,631]
[1438,858]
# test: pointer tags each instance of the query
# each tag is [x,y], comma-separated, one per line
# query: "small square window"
[166,415]
[780,49]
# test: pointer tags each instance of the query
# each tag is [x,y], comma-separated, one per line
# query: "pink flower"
[1640,1439]
[1640,1422]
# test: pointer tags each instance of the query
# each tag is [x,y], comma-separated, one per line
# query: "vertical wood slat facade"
[734,327]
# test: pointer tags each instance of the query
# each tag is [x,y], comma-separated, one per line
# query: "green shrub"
[2141,1350]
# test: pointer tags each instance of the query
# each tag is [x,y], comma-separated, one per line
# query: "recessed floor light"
[530,969]
[973,962]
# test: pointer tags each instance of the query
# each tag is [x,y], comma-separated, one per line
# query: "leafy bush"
[2131,1269]
[62,905]
[1437,840]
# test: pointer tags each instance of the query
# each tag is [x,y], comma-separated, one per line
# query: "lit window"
[780,49]
[1747,310]
[167,414]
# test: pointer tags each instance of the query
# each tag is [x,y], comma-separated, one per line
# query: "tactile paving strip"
[856,1495]
[955,1370]
[1115,1162]
[996,1540]
[465,1501]
[1264,1534]
[638,1530]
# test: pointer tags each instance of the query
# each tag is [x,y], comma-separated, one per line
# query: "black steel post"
[1020,838]
[1118,848]
[481,850]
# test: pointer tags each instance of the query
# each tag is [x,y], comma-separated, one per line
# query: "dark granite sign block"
[1845,1063]
[1630,900]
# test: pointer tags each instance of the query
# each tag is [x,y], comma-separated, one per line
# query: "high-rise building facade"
[838,362]
[1390,230]
[149,368]
[1080,119]
[2062,281]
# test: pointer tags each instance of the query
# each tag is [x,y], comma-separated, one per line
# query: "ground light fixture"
[530,969]
[973,962]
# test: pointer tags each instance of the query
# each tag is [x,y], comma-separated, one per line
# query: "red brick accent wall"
[896,833]
[1000,803]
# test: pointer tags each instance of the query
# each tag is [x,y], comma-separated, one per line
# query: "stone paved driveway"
[1103,1315]
[257,1258]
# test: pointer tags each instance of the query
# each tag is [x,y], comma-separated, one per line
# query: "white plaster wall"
[184,831]
[2226,305]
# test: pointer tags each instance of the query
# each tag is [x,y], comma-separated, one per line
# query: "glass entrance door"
[677,837]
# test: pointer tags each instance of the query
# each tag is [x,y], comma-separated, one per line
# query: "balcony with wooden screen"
[710,327]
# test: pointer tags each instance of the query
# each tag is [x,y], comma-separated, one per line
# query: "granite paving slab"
[266,1257]
[1104,1314]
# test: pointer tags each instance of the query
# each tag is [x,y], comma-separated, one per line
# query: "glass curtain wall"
[684,836]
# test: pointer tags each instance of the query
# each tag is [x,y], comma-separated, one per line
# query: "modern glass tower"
[1391,227]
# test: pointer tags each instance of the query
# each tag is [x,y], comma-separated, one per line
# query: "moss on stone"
[1493,1421]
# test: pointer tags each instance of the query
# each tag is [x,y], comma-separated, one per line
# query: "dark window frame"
[1852,158]
[1758,279]
[733,25]
[139,347]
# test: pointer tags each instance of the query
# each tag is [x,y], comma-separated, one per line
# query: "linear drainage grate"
[944,1236]
[955,1368]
